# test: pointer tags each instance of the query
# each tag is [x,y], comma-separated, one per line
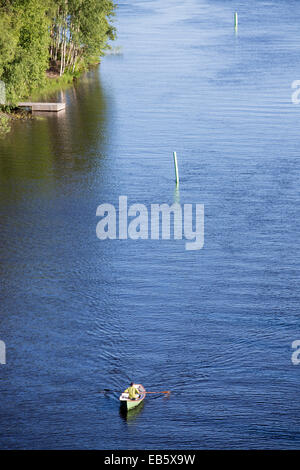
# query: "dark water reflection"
[54,143]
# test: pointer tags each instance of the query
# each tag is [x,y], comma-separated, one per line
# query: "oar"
[166,391]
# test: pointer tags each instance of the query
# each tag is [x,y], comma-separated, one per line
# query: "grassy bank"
[51,85]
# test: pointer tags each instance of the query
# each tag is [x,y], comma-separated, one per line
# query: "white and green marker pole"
[235,20]
[176,168]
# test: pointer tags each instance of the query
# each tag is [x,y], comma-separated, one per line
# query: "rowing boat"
[127,404]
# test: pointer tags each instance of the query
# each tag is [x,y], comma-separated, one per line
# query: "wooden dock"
[43,106]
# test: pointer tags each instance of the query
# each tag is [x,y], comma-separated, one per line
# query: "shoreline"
[54,82]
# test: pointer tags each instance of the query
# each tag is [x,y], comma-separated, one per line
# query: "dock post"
[176,168]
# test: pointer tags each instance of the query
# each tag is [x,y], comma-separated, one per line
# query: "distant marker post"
[236,20]
[176,168]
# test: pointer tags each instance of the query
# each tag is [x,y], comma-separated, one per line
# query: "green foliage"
[94,26]
[4,125]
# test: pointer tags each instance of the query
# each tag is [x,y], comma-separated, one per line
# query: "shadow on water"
[131,415]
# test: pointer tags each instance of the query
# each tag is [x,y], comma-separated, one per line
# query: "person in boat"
[132,392]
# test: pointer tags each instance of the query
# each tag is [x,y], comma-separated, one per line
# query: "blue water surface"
[214,326]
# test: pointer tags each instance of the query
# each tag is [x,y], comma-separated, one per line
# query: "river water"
[215,325]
